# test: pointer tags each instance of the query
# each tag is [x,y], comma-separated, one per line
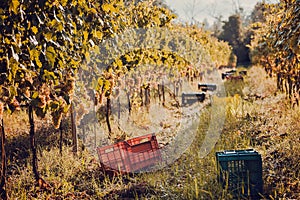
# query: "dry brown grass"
[267,124]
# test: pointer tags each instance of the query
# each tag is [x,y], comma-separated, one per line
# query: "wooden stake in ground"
[159,93]
[33,144]
[141,95]
[41,182]
[74,132]
[3,163]
[60,137]
[108,111]
[119,110]
[129,104]
[163,93]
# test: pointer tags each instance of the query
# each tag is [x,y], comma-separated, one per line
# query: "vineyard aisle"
[80,74]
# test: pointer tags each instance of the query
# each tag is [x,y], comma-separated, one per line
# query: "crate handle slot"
[144,140]
[109,150]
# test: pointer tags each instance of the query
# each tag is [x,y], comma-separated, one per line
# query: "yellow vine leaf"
[87,57]
[18,39]
[35,95]
[34,29]
[7,41]
[14,66]
[2,15]
[64,2]
[34,55]
[93,10]
[49,75]
[128,58]
[119,63]
[74,63]
[108,8]
[60,27]
[85,36]
[106,85]
[81,2]
[38,62]
[74,28]
[48,36]
[13,91]
[66,108]
[98,35]
[61,64]
[97,49]
[51,54]
[156,20]
[14,6]
[52,23]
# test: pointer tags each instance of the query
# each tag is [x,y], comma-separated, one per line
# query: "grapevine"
[276,46]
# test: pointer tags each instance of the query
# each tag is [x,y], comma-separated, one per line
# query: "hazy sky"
[201,9]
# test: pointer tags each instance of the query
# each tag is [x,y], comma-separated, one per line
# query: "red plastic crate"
[132,155]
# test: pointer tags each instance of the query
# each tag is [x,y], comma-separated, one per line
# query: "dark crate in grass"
[240,171]
[192,97]
[207,87]
[130,156]
[228,73]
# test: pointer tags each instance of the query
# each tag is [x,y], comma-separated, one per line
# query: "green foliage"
[42,46]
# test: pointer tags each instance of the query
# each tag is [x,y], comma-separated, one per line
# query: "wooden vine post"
[108,112]
[119,110]
[129,103]
[60,137]
[163,93]
[159,92]
[3,163]
[33,144]
[74,132]
[41,182]
[141,95]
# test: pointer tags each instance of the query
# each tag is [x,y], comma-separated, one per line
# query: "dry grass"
[266,123]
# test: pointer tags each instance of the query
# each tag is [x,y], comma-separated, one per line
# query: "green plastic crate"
[240,171]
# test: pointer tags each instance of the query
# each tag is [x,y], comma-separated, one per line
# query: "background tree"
[258,13]
[232,33]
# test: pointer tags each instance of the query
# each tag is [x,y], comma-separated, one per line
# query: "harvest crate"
[241,172]
[132,155]
[228,73]
[207,87]
[190,98]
